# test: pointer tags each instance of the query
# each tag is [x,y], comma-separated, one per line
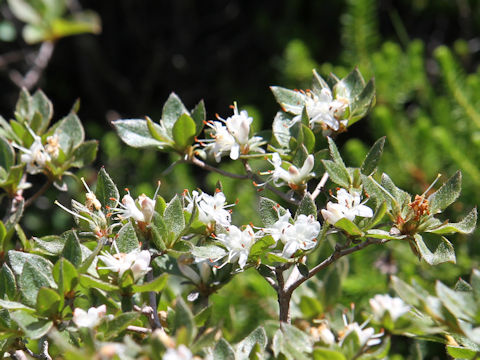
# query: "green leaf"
[203,316]
[159,232]
[127,240]
[443,253]
[174,216]
[72,251]
[377,217]
[8,287]
[24,11]
[48,302]
[88,282]
[136,133]
[461,304]
[401,197]
[212,252]
[106,190]
[327,354]
[337,158]
[223,351]
[90,258]
[290,101]
[155,285]
[245,347]
[406,292]
[40,266]
[82,22]
[308,138]
[458,352]
[362,103]
[350,86]
[70,133]
[466,226]
[120,323]
[199,116]
[307,207]
[32,327]
[184,318]
[172,110]
[65,275]
[84,154]
[373,157]
[382,234]
[7,155]
[184,131]
[259,247]
[338,174]
[269,211]
[318,83]
[160,205]
[30,282]
[44,107]
[13,305]
[447,194]
[281,129]
[50,244]
[3,235]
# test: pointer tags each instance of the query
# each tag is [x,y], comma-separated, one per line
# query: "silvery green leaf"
[244,347]
[373,157]
[70,133]
[307,207]
[290,101]
[106,191]
[269,211]
[460,303]
[136,133]
[172,110]
[447,194]
[281,128]
[443,253]
[127,240]
[466,226]
[32,327]
[223,351]
[338,174]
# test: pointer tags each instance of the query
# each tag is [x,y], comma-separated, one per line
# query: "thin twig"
[40,192]
[204,165]
[139,329]
[169,169]
[44,355]
[320,186]
[152,298]
[337,254]
[33,75]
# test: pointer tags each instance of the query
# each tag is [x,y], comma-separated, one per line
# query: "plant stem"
[205,166]
[152,298]
[40,192]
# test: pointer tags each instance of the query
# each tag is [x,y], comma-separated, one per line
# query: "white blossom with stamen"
[210,208]
[349,205]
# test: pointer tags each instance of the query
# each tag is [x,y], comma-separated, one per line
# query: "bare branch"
[320,186]
[40,192]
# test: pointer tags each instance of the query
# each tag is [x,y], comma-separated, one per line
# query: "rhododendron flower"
[36,156]
[294,177]
[210,208]
[302,235]
[382,304]
[348,206]
[90,318]
[238,244]
[232,136]
[136,260]
[325,111]
[365,336]
[278,229]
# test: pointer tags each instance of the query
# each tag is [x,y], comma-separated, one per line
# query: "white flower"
[180,353]
[141,210]
[90,318]
[385,303]
[365,336]
[322,109]
[232,136]
[136,260]
[53,145]
[34,157]
[349,205]
[323,334]
[278,229]
[210,208]
[238,244]
[294,177]
[301,235]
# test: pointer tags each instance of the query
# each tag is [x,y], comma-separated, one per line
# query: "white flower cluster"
[90,318]
[232,136]
[136,260]
[238,244]
[348,206]
[211,209]
[301,234]
[366,336]
[324,111]
[37,155]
